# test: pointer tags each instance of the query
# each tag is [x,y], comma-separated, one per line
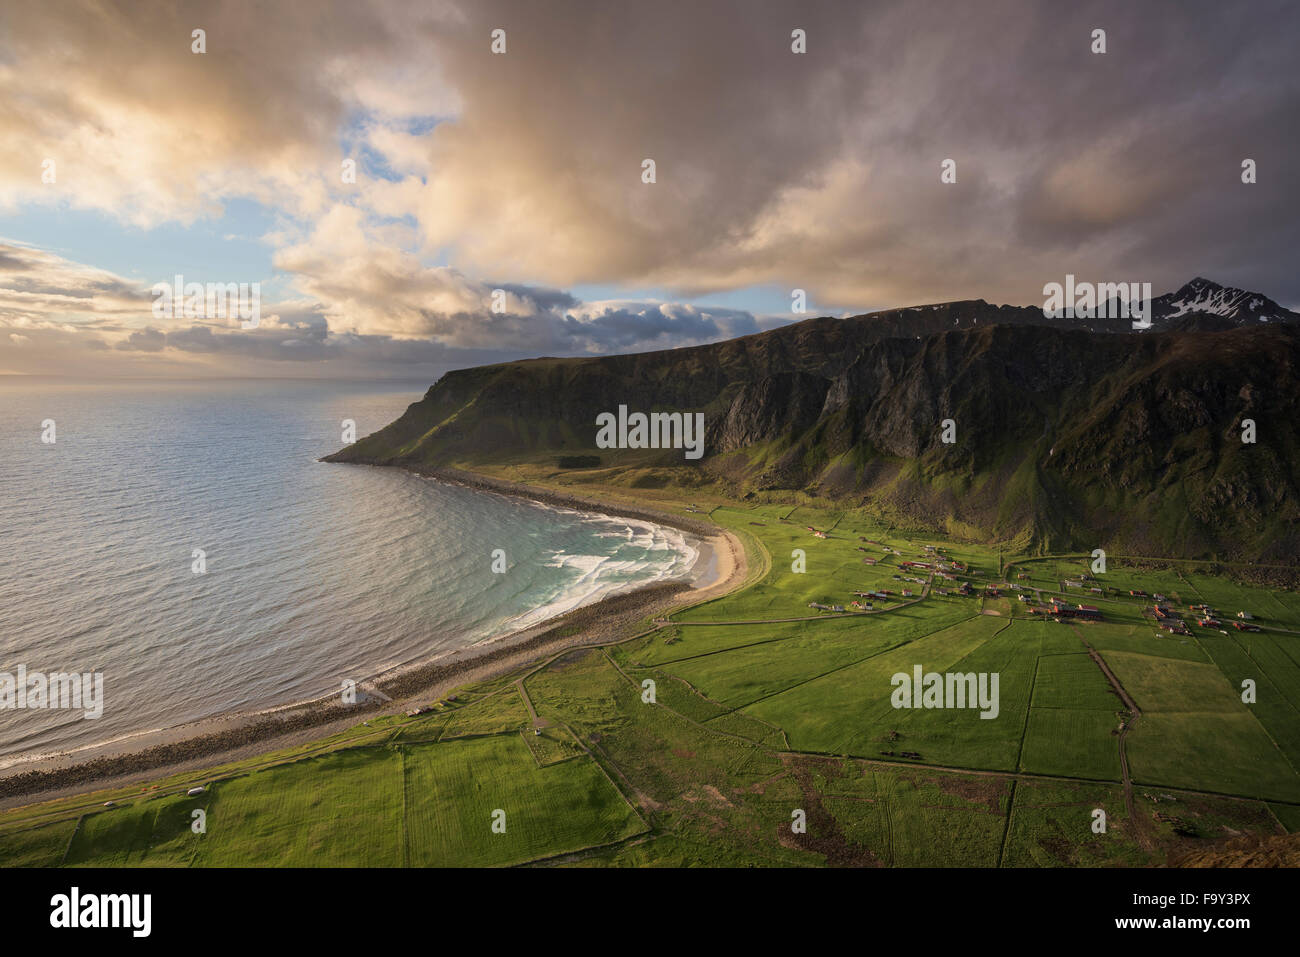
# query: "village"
[958,578]
[947,576]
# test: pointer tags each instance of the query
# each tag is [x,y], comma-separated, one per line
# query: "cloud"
[138,125]
[819,171]
[39,289]
[366,309]
[144,340]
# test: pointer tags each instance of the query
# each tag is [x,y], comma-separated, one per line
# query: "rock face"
[1067,432]
[788,403]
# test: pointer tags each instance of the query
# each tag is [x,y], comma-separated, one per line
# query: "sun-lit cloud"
[363,305]
[522,172]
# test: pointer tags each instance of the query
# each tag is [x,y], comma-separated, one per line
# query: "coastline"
[221,739]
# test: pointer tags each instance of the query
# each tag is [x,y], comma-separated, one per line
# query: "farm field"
[770,734]
[422,805]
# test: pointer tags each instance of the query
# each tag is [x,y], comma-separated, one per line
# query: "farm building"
[1086,612]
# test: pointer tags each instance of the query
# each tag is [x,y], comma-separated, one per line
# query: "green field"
[766,710]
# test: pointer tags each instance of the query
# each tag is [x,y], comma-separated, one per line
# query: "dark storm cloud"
[822,170]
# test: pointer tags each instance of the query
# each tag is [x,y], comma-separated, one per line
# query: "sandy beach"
[720,568]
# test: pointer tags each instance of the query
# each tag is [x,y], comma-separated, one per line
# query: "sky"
[500,207]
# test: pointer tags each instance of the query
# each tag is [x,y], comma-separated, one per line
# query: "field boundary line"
[406,828]
[687,718]
[1035,776]
[634,805]
[1006,824]
[859,661]
[1139,824]
[550,860]
[67,848]
[1029,707]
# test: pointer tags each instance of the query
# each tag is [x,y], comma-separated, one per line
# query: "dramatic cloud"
[822,171]
[138,125]
[522,172]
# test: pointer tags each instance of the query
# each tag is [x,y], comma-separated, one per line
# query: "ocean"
[311,573]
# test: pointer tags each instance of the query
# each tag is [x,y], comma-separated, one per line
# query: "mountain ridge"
[1069,433]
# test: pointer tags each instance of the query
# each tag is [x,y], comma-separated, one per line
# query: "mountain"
[1206,298]
[1069,433]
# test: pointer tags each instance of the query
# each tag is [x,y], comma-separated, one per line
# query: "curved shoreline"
[224,738]
[546,496]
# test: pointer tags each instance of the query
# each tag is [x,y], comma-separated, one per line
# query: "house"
[1086,612]
[1245,616]
[1242,626]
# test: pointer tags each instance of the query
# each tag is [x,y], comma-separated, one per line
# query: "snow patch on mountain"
[1203,296]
